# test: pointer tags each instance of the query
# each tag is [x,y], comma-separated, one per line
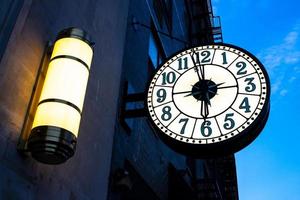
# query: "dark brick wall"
[85,176]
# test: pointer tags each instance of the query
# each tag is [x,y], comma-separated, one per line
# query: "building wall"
[141,147]
[85,176]
[150,169]
[104,144]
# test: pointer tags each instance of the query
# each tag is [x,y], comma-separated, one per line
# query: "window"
[163,10]
[155,50]
[169,15]
[159,9]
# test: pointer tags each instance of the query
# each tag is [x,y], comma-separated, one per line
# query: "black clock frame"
[225,147]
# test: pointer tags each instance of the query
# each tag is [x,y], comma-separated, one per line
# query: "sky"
[269,168]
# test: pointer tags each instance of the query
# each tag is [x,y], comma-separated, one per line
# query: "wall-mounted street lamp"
[52,123]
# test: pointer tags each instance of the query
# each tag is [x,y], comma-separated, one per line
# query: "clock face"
[209,100]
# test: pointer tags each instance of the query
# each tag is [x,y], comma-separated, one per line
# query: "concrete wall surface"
[85,176]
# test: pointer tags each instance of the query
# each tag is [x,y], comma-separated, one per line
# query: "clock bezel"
[227,146]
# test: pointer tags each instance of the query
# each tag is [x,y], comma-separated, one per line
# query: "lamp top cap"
[75,33]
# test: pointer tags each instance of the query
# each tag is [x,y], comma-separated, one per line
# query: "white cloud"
[276,86]
[292,79]
[291,38]
[296,69]
[292,58]
[284,53]
[283,92]
[280,59]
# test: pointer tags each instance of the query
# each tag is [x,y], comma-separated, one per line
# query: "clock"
[210,100]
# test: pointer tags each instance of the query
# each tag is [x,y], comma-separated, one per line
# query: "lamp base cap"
[51,145]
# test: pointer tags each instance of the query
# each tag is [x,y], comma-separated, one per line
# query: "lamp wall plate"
[34,99]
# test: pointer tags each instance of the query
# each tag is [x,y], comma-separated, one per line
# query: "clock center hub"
[204,89]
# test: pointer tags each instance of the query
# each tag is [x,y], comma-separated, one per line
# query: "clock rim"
[224,147]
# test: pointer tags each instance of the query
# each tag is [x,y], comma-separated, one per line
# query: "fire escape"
[219,181]
[204,27]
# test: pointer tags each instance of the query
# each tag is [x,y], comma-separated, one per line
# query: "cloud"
[276,86]
[291,38]
[284,53]
[283,92]
[292,79]
[280,60]
[292,58]
[297,69]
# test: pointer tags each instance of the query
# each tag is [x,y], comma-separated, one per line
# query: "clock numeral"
[184,62]
[229,122]
[242,65]
[250,85]
[168,78]
[224,58]
[166,113]
[206,55]
[206,130]
[184,120]
[161,94]
[245,105]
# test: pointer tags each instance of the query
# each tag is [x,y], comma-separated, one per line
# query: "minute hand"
[224,87]
[217,85]
[196,65]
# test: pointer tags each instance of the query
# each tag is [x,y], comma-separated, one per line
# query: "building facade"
[118,155]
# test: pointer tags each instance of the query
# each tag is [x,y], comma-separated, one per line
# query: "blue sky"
[269,168]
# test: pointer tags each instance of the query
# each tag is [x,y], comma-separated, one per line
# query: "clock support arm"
[134,100]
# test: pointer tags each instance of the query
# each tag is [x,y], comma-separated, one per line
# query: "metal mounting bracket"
[33,102]
[131,113]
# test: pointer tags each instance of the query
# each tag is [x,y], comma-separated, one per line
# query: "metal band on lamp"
[54,130]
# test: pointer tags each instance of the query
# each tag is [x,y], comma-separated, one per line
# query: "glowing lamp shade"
[56,122]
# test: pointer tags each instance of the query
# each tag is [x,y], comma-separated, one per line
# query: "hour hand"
[202,72]
[207,98]
[204,109]
[200,75]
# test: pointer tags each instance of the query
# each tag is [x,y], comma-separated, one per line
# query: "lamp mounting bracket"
[34,98]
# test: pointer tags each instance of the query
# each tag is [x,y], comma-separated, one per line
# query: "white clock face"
[208,94]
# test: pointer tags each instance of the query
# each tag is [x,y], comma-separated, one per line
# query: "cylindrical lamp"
[56,122]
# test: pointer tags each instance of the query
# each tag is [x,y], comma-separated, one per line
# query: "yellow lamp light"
[54,130]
